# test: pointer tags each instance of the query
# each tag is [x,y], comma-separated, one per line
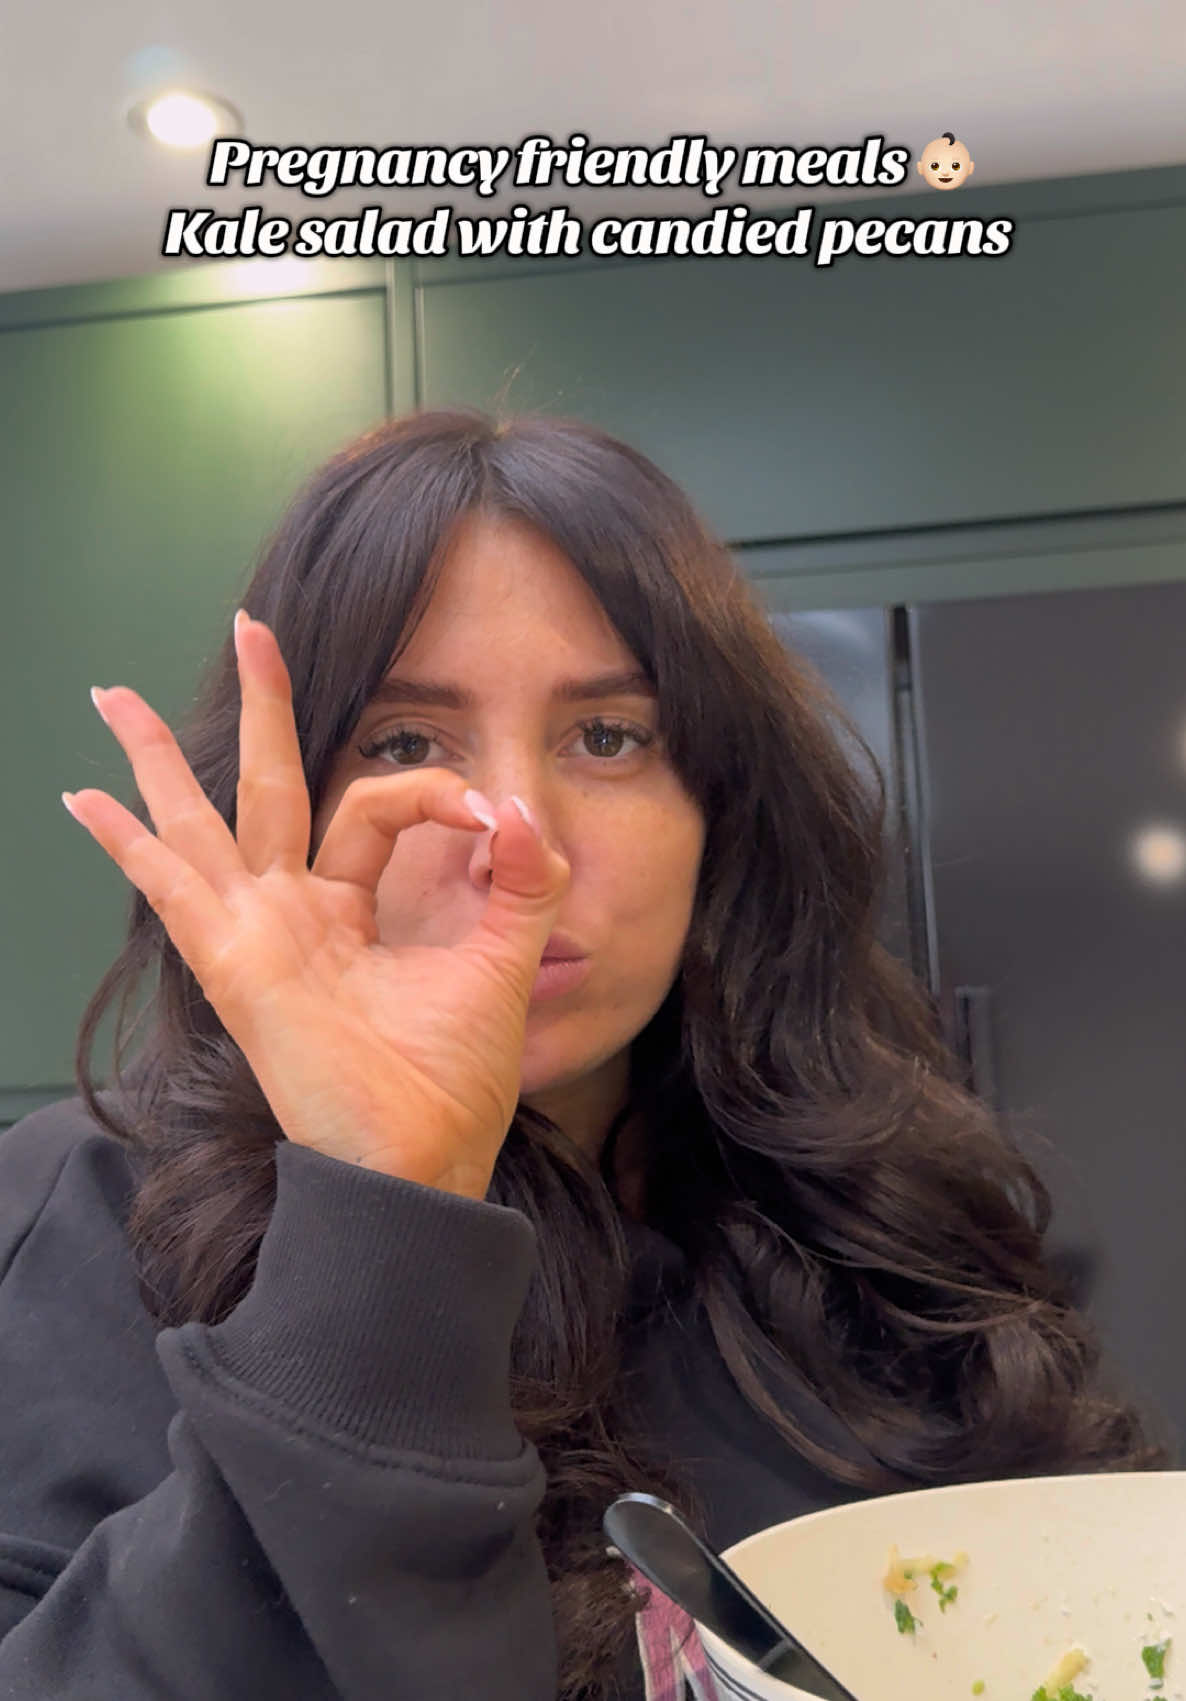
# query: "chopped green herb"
[978,1686]
[946,1596]
[905,1619]
[1068,1692]
[1154,1657]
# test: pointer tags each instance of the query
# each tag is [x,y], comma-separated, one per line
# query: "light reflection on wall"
[1157,854]
[269,277]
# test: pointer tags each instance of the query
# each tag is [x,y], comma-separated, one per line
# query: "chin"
[540,1076]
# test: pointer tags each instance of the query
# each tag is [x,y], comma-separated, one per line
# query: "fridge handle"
[973,1040]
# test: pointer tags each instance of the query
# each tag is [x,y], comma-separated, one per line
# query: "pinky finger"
[194,916]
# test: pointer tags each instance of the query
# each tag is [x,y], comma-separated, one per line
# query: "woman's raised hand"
[405,1058]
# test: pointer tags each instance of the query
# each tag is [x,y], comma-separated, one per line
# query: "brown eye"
[934,165]
[955,165]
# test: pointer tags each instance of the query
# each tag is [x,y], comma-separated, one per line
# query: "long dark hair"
[860,1229]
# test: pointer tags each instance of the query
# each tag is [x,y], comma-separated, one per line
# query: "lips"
[562,948]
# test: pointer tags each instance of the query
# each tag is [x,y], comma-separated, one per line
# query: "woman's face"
[510,618]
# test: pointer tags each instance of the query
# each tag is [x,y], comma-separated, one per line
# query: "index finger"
[358,843]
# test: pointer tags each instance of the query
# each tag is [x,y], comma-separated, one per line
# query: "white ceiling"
[1035,89]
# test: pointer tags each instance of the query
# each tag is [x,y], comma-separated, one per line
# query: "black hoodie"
[324,1497]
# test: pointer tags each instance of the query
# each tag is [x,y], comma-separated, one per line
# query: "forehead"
[504,588]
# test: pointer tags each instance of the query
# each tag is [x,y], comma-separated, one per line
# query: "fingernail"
[68,800]
[242,619]
[526,814]
[97,691]
[480,805]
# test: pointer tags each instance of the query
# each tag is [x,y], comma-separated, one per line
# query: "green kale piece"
[946,1596]
[1154,1657]
[905,1619]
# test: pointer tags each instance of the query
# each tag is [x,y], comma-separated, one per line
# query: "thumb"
[529,883]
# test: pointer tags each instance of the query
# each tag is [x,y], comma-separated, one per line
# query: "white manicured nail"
[526,814]
[480,806]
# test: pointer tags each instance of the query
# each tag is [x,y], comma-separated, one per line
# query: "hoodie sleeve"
[347,1511]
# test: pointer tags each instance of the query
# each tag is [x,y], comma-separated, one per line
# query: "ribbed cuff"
[381,1309]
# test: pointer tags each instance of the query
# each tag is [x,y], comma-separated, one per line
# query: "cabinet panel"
[951,563]
[799,401]
[145,458]
[1053,761]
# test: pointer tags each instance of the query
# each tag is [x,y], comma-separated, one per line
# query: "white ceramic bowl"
[1054,1563]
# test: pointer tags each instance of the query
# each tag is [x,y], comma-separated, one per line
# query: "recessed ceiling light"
[181,118]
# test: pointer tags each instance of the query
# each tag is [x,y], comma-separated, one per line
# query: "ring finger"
[185,819]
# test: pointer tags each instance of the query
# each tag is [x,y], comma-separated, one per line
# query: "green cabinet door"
[145,458]
[795,401]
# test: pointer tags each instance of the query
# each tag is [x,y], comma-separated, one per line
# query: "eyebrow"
[432,693]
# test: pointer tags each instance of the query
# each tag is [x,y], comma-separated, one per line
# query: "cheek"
[645,869]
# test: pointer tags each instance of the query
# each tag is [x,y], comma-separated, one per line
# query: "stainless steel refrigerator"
[1034,750]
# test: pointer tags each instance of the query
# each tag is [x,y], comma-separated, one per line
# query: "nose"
[499,796]
[481,860]
[512,768]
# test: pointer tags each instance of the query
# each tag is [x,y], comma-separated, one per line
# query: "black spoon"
[653,1536]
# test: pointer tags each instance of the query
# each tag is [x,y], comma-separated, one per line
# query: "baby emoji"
[946,163]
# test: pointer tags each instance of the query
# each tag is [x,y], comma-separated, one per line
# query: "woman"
[382,1167]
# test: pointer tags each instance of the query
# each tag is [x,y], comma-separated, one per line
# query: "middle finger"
[273,814]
